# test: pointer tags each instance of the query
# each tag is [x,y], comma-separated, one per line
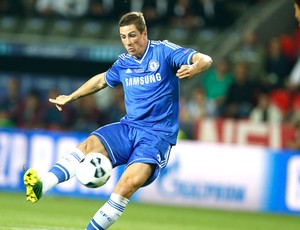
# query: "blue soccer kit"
[151,93]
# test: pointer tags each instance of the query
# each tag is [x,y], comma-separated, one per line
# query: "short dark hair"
[133,18]
[297,2]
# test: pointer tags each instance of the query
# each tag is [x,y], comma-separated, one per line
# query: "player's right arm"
[93,85]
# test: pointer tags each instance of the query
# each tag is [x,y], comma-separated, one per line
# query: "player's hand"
[60,101]
[185,71]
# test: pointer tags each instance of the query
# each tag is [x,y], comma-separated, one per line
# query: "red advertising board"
[244,132]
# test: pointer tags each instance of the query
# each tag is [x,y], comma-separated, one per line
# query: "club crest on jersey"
[153,65]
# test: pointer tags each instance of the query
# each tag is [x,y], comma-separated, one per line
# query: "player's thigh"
[134,177]
[93,144]
[118,141]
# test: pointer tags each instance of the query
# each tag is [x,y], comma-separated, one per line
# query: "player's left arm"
[200,62]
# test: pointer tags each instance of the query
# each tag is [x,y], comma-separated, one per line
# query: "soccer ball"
[94,171]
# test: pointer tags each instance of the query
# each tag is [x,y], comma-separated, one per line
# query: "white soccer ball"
[94,171]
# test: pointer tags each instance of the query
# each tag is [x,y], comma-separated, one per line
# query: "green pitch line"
[57,213]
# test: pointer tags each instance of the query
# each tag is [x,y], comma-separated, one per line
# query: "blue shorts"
[127,145]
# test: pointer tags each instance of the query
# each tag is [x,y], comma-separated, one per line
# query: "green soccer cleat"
[34,186]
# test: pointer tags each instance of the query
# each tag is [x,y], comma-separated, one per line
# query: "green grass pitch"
[62,213]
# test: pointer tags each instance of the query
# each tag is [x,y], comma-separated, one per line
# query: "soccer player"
[150,74]
[297,10]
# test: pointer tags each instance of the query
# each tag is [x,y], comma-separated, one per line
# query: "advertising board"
[199,174]
[245,132]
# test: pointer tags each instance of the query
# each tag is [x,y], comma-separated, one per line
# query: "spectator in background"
[121,7]
[117,110]
[191,111]
[30,113]
[63,8]
[211,13]
[196,106]
[182,15]
[265,111]
[277,64]
[12,101]
[216,83]
[54,119]
[86,116]
[105,99]
[240,97]
[96,10]
[101,9]
[155,11]
[252,53]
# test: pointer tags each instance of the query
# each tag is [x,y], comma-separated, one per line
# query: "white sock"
[62,170]
[109,213]
[49,181]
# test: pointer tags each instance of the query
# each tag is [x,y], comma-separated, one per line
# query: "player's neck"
[141,54]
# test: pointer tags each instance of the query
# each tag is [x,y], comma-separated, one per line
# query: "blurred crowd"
[254,82]
[179,13]
[32,110]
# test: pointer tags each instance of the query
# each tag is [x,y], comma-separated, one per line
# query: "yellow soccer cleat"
[33,184]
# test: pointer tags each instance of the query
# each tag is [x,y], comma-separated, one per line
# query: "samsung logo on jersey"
[145,80]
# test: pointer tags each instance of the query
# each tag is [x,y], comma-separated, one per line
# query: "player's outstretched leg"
[61,171]
[33,186]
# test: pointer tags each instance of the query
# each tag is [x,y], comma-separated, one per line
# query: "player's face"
[134,42]
[297,12]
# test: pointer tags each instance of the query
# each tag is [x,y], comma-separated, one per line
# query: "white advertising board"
[211,175]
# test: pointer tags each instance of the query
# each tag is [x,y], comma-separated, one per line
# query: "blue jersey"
[151,87]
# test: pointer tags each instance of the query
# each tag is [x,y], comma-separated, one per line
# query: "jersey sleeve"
[112,76]
[176,55]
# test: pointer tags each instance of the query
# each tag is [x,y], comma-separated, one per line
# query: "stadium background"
[242,162]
